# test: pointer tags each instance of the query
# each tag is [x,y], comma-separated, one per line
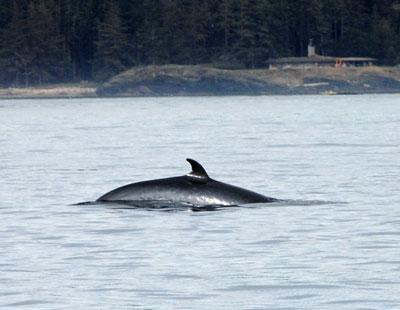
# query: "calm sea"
[336,245]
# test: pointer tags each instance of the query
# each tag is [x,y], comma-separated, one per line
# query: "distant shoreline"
[176,80]
[52,91]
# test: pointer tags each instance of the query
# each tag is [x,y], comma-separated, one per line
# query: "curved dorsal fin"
[198,173]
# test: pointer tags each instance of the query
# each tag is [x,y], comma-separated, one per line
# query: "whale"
[195,189]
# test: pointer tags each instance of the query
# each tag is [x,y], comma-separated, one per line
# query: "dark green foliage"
[113,51]
[43,41]
[32,47]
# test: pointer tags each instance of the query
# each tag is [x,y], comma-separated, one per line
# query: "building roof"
[317,59]
[357,59]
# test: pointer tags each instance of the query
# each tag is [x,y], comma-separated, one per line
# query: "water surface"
[343,150]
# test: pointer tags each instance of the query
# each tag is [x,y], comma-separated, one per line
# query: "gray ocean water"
[336,245]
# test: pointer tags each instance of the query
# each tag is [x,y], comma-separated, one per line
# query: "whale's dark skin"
[195,188]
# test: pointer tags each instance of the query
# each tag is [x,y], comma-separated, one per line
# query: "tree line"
[47,41]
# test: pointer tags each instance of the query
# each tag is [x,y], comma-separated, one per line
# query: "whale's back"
[185,190]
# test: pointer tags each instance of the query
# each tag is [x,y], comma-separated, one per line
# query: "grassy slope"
[171,80]
[204,80]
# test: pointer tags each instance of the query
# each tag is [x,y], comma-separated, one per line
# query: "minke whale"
[195,188]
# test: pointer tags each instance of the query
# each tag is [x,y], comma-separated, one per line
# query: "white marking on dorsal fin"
[198,173]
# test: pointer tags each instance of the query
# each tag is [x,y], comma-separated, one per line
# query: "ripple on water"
[29,302]
[334,243]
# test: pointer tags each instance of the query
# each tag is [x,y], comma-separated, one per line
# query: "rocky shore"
[175,80]
[202,80]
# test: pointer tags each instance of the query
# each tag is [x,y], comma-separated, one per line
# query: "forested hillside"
[45,41]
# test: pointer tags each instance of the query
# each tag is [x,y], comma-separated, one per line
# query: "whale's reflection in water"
[174,206]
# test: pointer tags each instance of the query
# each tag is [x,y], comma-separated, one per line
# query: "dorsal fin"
[198,173]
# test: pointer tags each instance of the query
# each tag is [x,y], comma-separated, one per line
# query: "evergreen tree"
[303,16]
[32,46]
[356,28]
[224,35]
[183,28]
[254,38]
[15,54]
[45,45]
[78,20]
[71,40]
[113,51]
[385,40]
[5,12]
[152,36]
